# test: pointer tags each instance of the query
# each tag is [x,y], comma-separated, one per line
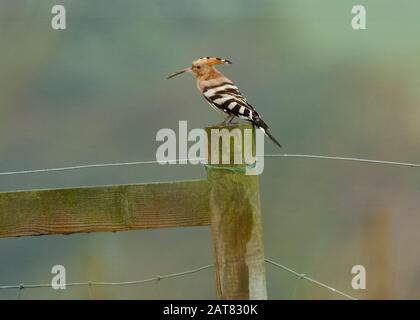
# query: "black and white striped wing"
[227,98]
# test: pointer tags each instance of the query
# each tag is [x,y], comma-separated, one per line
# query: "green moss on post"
[236,227]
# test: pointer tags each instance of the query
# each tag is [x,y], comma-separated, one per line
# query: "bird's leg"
[231,121]
[227,120]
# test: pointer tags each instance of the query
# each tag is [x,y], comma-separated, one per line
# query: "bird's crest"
[211,61]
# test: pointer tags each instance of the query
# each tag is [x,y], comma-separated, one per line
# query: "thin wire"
[120,164]
[100,165]
[172,275]
[101,283]
[310,156]
[304,276]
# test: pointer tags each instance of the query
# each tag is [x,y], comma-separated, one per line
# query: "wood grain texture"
[107,208]
[237,232]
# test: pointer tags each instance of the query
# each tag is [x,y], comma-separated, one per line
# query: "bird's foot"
[227,121]
[233,123]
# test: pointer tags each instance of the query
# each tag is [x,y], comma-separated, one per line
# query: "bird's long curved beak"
[179,72]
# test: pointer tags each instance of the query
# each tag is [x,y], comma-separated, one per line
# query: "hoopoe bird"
[222,94]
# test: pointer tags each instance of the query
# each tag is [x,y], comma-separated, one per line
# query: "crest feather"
[212,61]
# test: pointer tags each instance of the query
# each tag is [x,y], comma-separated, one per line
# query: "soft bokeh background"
[97,93]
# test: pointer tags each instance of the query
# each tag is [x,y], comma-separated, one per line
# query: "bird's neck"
[211,74]
[211,78]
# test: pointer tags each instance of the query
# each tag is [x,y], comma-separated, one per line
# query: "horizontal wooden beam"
[107,208]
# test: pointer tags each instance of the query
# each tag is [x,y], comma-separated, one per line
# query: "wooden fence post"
[235,216]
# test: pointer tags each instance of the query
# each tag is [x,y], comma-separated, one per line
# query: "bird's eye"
[198,67]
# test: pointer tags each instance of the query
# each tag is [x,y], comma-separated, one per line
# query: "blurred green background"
[97,93]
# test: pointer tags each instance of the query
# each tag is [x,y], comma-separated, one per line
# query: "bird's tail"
[264,128]
[267,132]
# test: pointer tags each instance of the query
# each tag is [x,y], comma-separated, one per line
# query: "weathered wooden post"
[235,216]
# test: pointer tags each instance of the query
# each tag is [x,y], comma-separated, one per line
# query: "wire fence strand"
[103,283]
[305,277]
[312,156]
[99,165]
[90,284]
[183,161]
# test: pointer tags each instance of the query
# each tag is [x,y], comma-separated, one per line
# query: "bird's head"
[203,67]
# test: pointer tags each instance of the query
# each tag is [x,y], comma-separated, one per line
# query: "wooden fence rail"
[107,208]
